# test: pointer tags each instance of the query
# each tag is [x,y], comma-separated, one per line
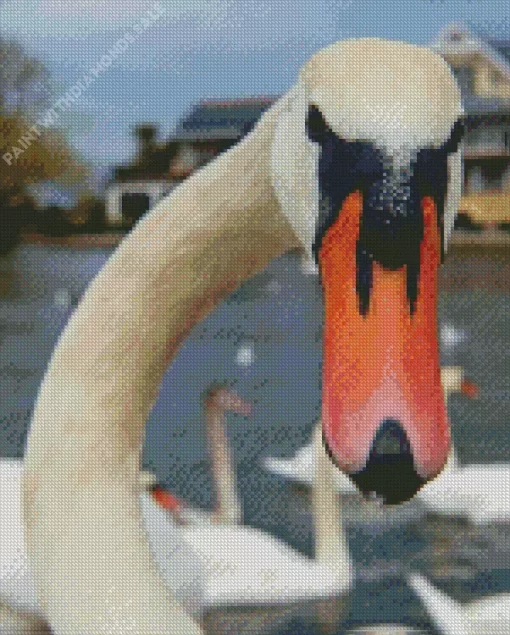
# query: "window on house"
[493,177]
[474,179]
[495,78]
[488,138]
[484,177]
[505,180]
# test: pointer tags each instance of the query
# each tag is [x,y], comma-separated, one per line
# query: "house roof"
[214,120]
[502,46]
[480,106]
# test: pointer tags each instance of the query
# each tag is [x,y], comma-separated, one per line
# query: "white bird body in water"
[17,591]
[269,194]
[486,616]
[478,492]
[250,567]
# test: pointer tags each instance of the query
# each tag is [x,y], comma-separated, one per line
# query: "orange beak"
[382,364]
[166,499]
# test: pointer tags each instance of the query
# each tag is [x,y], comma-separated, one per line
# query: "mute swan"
[299,468]
[478,492]
[487,616]
[244,565]
[371,128]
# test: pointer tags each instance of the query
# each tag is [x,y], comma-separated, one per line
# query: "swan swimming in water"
[358,164]
[247,566]
[486,616]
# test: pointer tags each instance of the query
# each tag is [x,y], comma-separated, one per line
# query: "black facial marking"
[316,126]
[364,272]
[391,225]
[413,272]
[456,135]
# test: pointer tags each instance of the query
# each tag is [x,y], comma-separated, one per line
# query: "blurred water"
[265,341]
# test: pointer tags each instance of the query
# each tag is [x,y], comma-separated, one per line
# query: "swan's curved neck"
[228,505]
[90,556]
[330,541]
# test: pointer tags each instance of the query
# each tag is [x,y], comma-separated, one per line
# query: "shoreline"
[484,240]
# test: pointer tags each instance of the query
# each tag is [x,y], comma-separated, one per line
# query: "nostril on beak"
[391,439]
[389,472]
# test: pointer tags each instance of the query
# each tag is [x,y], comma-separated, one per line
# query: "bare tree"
[27,155]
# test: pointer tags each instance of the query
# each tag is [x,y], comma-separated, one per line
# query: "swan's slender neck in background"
[228,505]
[454,381]
[330,542]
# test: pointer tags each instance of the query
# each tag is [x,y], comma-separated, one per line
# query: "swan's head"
[222,399]
[367,168]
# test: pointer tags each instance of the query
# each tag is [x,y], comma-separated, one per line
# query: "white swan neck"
[90,556]
[228,505]
[330,542]
[451,378]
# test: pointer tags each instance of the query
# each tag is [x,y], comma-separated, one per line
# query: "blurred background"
[106,106]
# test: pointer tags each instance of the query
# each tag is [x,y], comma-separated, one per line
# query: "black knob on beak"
[389,473]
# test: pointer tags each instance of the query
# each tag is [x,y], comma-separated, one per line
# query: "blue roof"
[221,120]
[502,47]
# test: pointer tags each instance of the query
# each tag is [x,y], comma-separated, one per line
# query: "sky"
[196,49]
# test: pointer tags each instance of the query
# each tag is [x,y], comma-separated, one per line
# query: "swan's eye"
[316,126]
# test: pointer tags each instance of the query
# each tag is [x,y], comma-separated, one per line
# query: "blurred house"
[207,130]
[482,67]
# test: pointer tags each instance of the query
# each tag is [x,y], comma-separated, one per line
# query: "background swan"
[247,566]
[478,492]
[487,616]
[90,558]
[19,610]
